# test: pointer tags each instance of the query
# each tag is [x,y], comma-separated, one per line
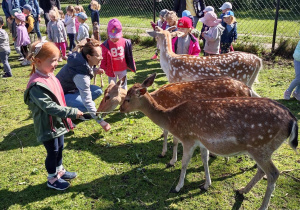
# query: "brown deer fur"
[172,94]
[224,126]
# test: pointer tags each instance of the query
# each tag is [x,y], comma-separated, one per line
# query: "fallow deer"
[224,126]
[238,65]
[171,94]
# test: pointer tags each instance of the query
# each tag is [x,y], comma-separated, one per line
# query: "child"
[229,34]
[296,82]
[83,30]
[205,27]
[61,15]
[45,99]
[187,43]
[213,35]
[194,31]
[4,50]
[22,37]
[226,10]
[171,19]
[29,20]
[116,53]
[96,33]
[57,33]
[162,23]
[70,25]
[94,7]
[78,9]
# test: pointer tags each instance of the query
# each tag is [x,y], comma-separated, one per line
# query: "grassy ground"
[120,169]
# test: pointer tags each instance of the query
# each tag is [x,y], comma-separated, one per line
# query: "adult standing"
[35,13]
[75,78]
[47,5]
[196,8]
[7,7]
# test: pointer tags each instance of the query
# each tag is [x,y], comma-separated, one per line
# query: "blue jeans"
[296,81]
[72,41]
[4,59]
[37,27]
[54,149]
[75,100]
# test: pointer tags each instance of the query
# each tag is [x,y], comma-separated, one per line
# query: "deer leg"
[165,144]
[186,157]
[174,158]
[259,174]
[204,157]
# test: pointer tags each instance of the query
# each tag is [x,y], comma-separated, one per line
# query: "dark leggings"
[24,51]
[54,149]
[72,41]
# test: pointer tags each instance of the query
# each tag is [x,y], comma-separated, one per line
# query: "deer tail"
[293,140]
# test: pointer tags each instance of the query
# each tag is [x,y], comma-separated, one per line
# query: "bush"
[286,48]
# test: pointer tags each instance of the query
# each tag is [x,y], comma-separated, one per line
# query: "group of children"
[60,28]
[217,34]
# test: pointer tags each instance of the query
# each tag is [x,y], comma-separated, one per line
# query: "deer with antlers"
[171,94]
[224,126]
[238,65]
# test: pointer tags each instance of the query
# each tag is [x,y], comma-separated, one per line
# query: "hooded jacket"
[229,34]
[106,63]
[49,115]
[212,39]
[194,48]
[83,32]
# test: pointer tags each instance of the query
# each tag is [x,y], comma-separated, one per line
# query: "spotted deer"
[224,126]
[171,94]
[238,65]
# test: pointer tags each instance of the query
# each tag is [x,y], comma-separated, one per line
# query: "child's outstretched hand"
[153,25]
[79,114]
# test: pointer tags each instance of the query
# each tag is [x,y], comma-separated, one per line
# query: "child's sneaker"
[58,184]
[24,62]
[154,57]
[65,58]
[287,95]
[296,95]
[69,175]
[20,58]
[60,59]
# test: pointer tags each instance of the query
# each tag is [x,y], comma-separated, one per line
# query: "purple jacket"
[194,48]
[22,36]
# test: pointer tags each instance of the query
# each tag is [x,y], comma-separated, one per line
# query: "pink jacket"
[76,24]
[194,48]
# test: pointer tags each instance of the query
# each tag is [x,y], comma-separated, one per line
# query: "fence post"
[275,25]
[154,8]
[77,2]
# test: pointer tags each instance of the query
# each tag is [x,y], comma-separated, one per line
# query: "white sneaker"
[20,58]
[24,62]
[287,95]
[60,59]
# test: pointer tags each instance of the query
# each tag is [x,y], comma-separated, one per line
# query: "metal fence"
[256,18]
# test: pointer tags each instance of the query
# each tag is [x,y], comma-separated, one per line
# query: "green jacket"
[48,116]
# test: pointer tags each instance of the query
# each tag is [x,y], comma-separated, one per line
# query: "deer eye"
[107,97]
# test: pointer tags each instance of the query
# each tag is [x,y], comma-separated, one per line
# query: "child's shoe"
[65,58]
[58,184]
[24,62]
[20,58]
[60,59]
[287,95]
[154,57]
[69,175]
[296,95]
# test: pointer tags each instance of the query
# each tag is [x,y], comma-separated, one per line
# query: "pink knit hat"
[114,28]
[20,16]
[210,19]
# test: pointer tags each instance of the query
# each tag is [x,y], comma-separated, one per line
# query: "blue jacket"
[76,64]
[229,34]
[33,3]
[94,15]
[5,7]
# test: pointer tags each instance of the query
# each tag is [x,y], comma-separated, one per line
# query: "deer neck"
[154,111]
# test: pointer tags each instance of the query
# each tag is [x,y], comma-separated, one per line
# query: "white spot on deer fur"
[259,125]
[260,137]
[252,126]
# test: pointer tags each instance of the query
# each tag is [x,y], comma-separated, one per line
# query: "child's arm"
[211,37]
[235,33]
[79,35]
[103,64]
[44,102]
[49,31]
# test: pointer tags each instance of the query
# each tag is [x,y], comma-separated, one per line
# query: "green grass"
[120,169]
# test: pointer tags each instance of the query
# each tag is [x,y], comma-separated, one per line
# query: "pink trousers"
[63,47]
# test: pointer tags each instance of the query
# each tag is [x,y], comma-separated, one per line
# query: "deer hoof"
[173,191]
[202,188]
[239,195]
[240,192]
[169,165]
[160,156]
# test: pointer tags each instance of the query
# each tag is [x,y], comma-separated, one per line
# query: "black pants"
[24,51]
[54,149]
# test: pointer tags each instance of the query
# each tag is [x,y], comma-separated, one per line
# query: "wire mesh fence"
[256,18]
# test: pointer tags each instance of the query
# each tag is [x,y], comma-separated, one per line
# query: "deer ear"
[141,91]
[88,39]
[112,82]
[149,81]
[158,29]
[121,81]
[171,28]
[152,33]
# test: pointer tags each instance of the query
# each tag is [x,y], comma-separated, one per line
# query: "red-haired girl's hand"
[79,114]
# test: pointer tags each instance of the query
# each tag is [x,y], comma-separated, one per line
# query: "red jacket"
[106,63]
